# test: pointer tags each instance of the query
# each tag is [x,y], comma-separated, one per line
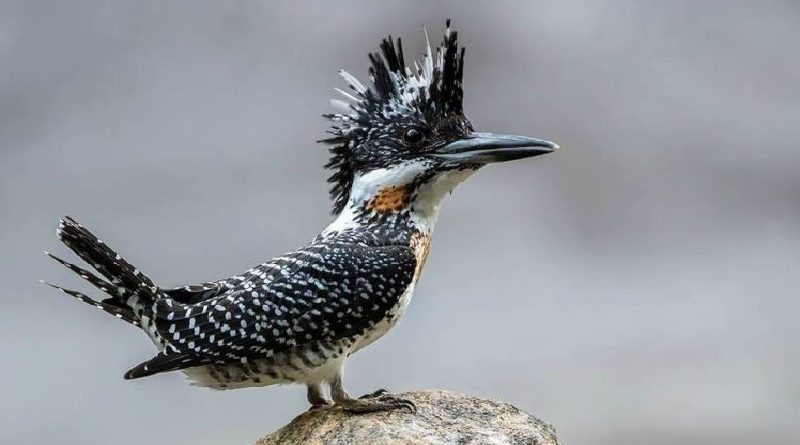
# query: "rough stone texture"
[442,418]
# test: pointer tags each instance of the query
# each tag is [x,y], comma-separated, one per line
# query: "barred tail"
[128,289]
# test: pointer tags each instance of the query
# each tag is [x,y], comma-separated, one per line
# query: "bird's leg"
[316,397]
[380,400]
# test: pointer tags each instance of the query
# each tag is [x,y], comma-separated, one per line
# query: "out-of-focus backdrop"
[639,286]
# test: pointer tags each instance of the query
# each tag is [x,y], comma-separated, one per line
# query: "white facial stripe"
[425,205]
[367,185]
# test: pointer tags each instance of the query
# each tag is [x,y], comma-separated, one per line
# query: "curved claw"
[376,393]
[401,403]
[385,402]
[380,400]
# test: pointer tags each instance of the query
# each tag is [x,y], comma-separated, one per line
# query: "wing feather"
[318,293]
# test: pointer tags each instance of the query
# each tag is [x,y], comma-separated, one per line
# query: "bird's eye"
[413,136]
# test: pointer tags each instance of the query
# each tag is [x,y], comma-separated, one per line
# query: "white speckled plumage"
[397,148]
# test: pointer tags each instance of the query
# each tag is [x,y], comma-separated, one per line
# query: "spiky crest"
[432,87]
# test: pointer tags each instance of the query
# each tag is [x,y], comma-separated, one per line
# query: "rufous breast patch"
[390,199]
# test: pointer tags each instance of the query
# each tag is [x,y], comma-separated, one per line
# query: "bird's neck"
[394,210]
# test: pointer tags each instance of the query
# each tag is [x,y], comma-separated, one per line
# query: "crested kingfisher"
[398,145]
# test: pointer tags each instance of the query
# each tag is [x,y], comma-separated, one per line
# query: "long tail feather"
[118,311]
[103,285]
[131,293]
[105,260]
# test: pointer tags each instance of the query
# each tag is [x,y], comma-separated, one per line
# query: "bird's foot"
[321,405]
[380,400]
[375,393]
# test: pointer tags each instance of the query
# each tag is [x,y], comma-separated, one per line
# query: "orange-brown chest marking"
[390,199]
[421,245]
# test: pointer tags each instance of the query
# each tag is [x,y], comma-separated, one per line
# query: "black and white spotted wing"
[319,293]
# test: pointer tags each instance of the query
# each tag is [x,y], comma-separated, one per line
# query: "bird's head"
[404,140]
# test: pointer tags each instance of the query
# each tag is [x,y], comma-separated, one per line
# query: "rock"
[442,418]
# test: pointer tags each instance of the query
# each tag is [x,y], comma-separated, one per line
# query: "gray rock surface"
[442,418]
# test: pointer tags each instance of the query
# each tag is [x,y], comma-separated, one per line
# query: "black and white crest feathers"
[431,87]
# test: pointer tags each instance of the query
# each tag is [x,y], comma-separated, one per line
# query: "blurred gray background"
[639,286]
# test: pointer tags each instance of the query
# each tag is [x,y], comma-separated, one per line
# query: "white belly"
[287,367]
[304,365]
[387,323]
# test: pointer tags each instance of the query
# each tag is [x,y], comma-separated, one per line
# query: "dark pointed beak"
[483,148]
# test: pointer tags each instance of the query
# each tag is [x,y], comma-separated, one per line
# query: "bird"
[397,146]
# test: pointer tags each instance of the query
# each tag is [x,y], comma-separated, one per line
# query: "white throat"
[427,197]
